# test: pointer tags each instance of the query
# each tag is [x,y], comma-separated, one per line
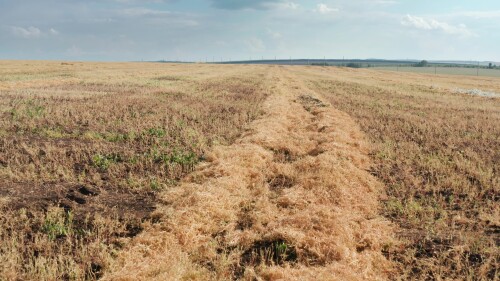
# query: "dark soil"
[79,199]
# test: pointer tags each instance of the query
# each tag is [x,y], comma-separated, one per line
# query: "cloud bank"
[432,24]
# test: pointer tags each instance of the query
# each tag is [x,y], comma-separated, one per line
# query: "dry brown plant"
[86,148]
[438,154]
[290,200]
[148,171]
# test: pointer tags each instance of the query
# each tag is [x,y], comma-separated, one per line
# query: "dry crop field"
[86,148]
[484,72]
[438,154]
[146,171]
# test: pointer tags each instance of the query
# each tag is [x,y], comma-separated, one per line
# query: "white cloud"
[255,44]
[324,9]
[273,34]
[31,32]
[28,33]
[139,12]
[431,24]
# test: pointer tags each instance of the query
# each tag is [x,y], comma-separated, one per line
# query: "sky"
[206,30]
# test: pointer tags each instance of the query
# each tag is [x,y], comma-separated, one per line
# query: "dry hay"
[290,200]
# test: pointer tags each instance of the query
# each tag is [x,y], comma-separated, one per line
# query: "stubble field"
[438,154]
[131,171]
[464,71]
[86,148]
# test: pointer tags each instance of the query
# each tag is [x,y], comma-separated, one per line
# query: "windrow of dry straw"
[290,200]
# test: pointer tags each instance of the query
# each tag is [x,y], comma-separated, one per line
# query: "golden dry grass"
[290,200]
[86,148]
[438,154]
[142,171]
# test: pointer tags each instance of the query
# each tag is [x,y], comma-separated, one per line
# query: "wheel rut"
[290,200]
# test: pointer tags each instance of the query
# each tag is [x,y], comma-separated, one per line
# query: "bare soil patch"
[80,199]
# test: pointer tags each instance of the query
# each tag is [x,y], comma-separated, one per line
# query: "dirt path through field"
[290,200]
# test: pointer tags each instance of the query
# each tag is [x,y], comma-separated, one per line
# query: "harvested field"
[87,148]
[145,171]
[469,71]
[290,200]
[438,154]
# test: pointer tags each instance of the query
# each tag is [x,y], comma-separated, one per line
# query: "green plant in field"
[155,185]
[281,249]
[156,132]
[92,135]
[104,161]
[101,162]
[54,229]
[33,110]
[118,137]
[58,224]
[183,158]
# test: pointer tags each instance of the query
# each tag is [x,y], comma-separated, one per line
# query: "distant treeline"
[358,63]
[423,63]
[350,64]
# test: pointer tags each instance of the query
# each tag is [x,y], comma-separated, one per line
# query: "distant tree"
[354,65]
[423,63]
[490,66]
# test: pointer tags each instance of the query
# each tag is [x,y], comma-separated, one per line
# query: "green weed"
[103,162]
[58,224]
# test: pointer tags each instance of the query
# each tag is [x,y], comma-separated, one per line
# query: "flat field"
[149,171]
[444,70]
[86,148]
[438,154]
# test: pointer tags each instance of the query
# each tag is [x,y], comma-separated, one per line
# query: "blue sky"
[124,30]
